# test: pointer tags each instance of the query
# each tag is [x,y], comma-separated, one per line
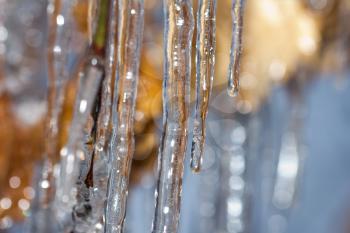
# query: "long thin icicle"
[87,211]
[236,46]
[129,44]
[40,209]
[178,32]
[72,154]
[100,166]
[59,38]
[61,27]
[108,83]
[205,59]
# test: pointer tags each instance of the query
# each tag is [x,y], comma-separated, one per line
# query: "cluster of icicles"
[87,190]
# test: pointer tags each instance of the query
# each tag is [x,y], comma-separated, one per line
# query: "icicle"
[87,211]
[122,148]
[111,68]
[61,41]
[61,27]
[73,153]
[92,180]
[236,46]
[60,37]
[104,118]
[104,125]
[179,23]
[205,59]
[56,83]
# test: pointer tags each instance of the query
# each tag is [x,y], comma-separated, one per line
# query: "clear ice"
[178,32]
[100,167]
[236,46]
[58,40]
[72,202]
[205,65]
[61,27]
[87,212]
[74,153]
[130,30]
[91,187]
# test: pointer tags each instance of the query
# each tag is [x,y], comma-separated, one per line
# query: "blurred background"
[277,156]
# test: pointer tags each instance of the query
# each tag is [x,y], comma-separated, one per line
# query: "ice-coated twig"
[84,213]
[75,157]
[103,132]
[236,46]
[205,65]
[130,30]
[73,153]
[92,179]
[108,83]
[178,32]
